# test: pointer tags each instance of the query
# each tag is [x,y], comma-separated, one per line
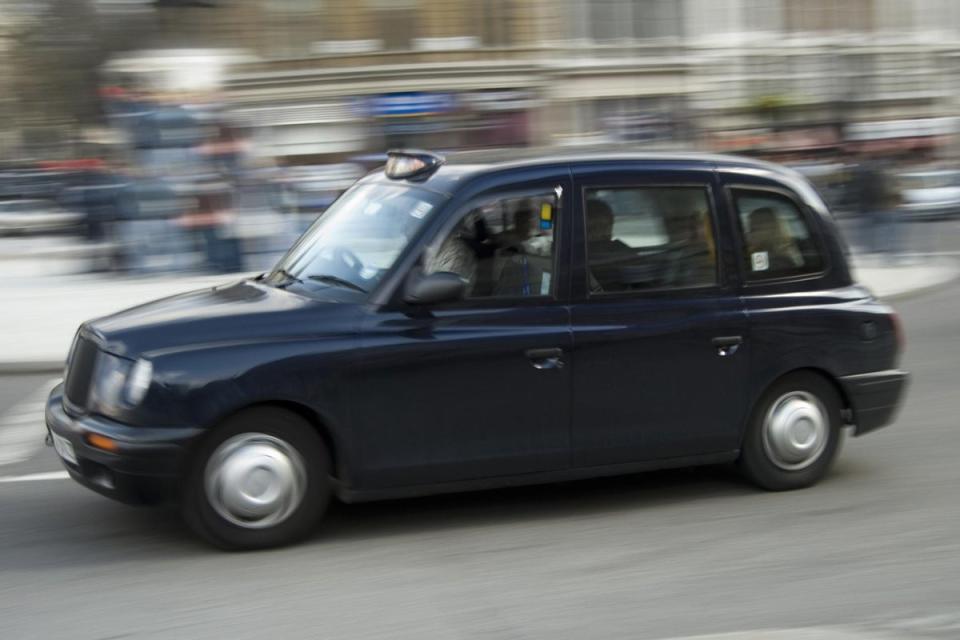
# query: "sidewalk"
[912,275]
[41,314]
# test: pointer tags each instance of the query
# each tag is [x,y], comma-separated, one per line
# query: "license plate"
[64,448]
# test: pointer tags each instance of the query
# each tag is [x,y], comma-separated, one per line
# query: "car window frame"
[721,277]
[810,217]
[460,210]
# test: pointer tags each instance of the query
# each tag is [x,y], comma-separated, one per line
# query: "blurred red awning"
[79,164]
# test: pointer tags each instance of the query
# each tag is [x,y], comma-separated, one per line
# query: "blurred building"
[341,76]
[324,80]
[816,70]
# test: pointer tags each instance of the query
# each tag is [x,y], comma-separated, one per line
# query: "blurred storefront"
[321,81]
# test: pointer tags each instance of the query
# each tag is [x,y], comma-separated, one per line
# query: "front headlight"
[139,381]
[120,382]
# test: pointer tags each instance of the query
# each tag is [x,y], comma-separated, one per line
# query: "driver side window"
[503,248]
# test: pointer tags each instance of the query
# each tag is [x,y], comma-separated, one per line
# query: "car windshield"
[358,238]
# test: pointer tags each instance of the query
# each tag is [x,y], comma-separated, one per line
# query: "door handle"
[545,358]
[727,345]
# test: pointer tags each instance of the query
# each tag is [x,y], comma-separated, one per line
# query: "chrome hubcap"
[795,430]
[254,480]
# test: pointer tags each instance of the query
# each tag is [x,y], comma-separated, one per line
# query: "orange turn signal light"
[102,442]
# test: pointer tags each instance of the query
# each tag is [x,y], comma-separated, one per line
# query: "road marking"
[22,426]
[808,633]
[932,254]
[33,477]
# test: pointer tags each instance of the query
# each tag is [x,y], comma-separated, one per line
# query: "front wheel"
[794,433]
[260,480]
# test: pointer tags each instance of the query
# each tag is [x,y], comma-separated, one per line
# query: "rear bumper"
[148,462]
[875,397]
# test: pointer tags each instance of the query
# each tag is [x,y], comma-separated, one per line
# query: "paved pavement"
[871,553]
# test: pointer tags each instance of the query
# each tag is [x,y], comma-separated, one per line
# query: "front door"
[479,388]
[658,331]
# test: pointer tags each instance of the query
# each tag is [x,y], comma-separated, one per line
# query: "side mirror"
[433,288]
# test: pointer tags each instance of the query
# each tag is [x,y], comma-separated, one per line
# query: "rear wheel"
[261,480]
[794,433]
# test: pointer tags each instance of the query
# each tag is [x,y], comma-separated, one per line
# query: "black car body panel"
[416,400]
[875,397]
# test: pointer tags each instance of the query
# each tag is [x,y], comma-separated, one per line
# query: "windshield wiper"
[289,277]
[338,282]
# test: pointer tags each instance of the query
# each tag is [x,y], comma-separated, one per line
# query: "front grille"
[83,358]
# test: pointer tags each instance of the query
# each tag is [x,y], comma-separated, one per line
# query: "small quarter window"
[778,241]
[647,238]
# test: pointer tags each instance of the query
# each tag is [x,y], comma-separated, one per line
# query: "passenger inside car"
[502,249]
[770,245]
[691,254]
[457,253]
[607,255]
[520,271]
[649,238]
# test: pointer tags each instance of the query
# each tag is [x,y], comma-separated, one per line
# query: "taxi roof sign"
[409,163]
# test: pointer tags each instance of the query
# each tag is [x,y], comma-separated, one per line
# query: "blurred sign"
[410,104]
[454,43]
[902,129]
[500,100]
[346,46]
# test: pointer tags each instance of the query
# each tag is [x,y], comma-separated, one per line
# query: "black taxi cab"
[448,327]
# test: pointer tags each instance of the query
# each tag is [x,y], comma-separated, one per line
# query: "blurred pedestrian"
[209,221]
[878,201]
[224,151]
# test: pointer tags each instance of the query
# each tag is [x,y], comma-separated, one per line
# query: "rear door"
[796,287]
[658,329]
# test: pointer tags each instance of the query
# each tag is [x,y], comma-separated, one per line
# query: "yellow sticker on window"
[546,212]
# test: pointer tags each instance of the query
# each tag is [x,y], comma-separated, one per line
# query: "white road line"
[809,633]
[21,426]
[33,477]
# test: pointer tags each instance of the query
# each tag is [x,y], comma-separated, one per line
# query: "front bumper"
[148,462]
[875,397]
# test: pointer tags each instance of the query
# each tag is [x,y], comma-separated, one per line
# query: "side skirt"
[349,494]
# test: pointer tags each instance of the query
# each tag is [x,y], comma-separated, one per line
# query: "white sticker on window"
[421,209]
[545,284]
[760,261]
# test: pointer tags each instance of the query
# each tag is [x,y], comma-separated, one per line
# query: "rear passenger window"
[647,238]
[778,241]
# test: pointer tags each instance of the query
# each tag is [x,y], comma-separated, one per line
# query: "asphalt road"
[875,549]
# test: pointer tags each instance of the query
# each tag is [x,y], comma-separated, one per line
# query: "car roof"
[459,168]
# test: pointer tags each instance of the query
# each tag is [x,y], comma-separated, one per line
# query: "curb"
[31,367]
[905,295]
[910,293]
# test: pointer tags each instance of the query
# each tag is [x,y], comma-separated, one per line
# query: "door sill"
[350,494]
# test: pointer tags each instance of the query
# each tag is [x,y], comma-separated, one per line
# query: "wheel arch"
[320,423]
[846,411]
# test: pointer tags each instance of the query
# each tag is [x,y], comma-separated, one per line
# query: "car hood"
[237,313]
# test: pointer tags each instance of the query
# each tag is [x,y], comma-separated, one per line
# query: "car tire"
[261,479]
[794,433]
